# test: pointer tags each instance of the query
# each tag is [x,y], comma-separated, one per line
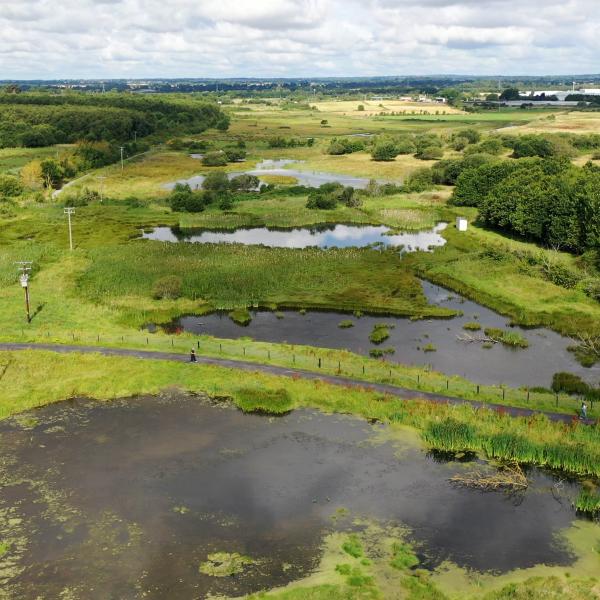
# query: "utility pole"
[69,211]
[122,148]
[101,179]
[24,267]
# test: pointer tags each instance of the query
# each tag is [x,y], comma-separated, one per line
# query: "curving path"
[393,390]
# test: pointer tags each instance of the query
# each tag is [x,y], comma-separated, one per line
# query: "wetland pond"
[279,167]
[126,499]
[322,236]
[533,366]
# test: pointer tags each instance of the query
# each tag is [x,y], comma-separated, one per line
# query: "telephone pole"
[101,179]
[122,148]
[70,211]
[24,267]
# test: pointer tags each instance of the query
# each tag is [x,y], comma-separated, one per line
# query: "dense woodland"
[41,119]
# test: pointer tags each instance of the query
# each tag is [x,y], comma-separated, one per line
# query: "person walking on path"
[584,411]
[193,356]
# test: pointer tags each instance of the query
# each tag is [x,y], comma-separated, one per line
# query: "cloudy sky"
[267,38]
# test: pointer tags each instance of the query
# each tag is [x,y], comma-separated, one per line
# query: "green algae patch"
[225,564]
[581,538]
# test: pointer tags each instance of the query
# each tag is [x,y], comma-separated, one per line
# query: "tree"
[510,93]
[217,182]
[244,183]
[52,173]
[31,175]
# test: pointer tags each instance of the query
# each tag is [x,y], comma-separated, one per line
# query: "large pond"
[534,366]
[323,236]
[126,499]
[282,167]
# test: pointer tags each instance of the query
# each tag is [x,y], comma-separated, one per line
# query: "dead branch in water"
[508,478]
[470,339]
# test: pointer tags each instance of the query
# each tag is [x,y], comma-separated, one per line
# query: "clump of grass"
[352,546]
[380,333]
[508,338]
[264,401]
[588,501]
[429,348]
[487,345]
[380,352]
[241,316]
[403,557]
[345,324]
[472,326]
[279,314]
[4,548]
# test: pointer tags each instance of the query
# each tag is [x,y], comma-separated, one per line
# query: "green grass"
[269,402]
[234,275]
[353,546]
[472,326]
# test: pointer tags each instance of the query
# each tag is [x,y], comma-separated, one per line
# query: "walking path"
[393,390]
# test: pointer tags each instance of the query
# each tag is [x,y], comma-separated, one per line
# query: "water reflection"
[328,236]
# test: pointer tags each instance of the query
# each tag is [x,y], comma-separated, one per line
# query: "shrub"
[430,153]
[214,159]
[569,383]
[420,180]
[384,150]
[10,186]
[235,154]
[167,288]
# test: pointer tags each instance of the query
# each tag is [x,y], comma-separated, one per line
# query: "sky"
[55,39]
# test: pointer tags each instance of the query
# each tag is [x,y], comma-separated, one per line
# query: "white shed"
[461,223]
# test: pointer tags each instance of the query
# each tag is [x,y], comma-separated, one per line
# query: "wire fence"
[331,362]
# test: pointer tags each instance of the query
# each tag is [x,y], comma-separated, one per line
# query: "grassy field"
[229,276]
[563,122]
[374,107]
[12,159]
[465,266]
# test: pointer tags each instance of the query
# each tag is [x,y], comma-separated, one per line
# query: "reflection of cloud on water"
[339,236]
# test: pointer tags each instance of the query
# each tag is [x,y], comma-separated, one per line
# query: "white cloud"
[224,38]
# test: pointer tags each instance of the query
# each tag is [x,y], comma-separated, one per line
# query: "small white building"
[462,224]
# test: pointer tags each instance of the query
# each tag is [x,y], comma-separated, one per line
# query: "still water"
[323,236]
[126,499]
[534,366]
[281,167]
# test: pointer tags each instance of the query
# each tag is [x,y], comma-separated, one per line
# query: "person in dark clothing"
[193,356]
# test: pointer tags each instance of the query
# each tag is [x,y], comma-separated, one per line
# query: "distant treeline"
[549,200]
[41,119]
